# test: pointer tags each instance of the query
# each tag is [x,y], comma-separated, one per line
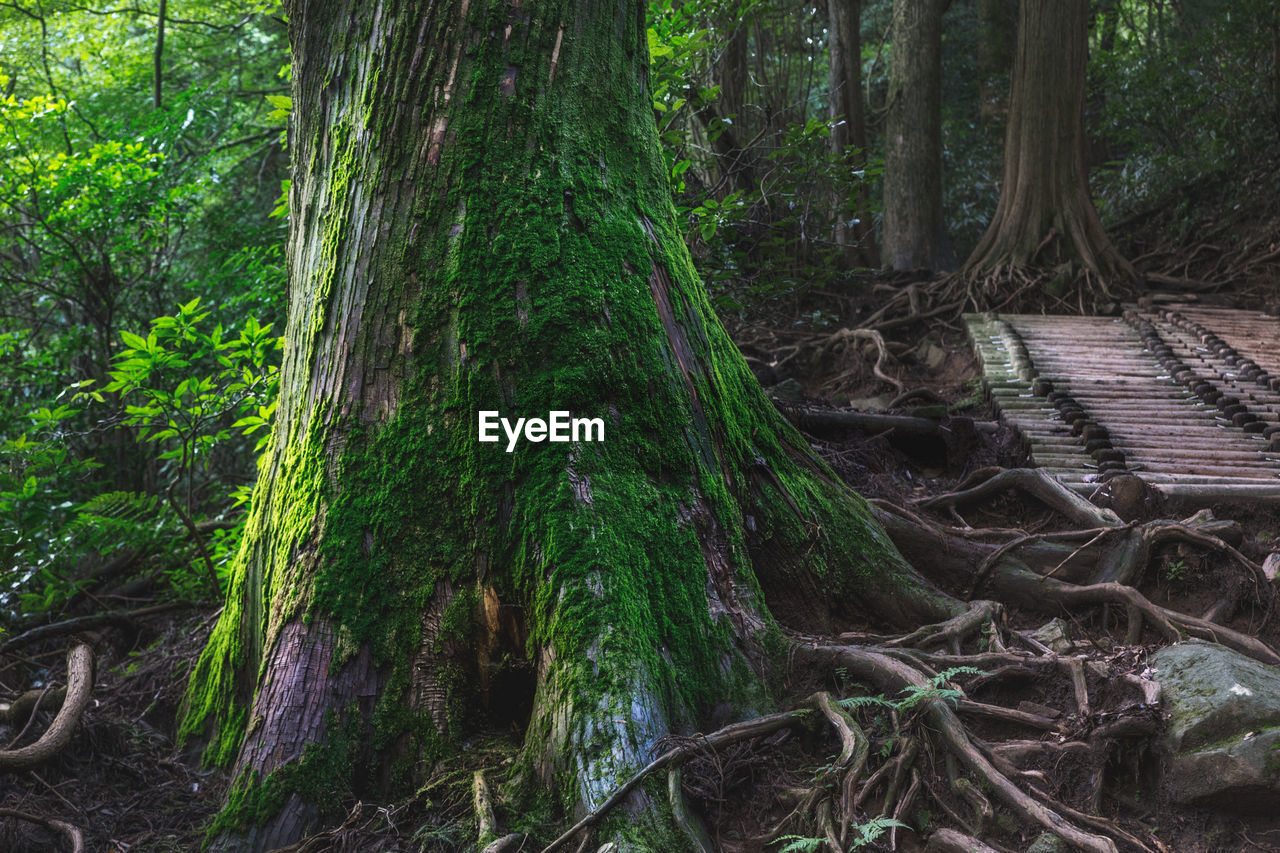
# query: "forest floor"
[121,781]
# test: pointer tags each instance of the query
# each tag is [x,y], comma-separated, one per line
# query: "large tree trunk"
[849,129]
[914,232]
[1045,217]
[481,221]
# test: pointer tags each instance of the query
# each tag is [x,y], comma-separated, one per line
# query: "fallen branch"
[113,619]
[827,420]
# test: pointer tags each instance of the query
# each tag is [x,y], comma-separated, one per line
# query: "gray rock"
[1047,842]
[1223,736]
[871,404]
[1056,634]
[931,355]
[1271,565]
[788,391]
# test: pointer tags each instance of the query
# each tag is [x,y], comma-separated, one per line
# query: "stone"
[788,391]
[870,404]
[1223,735]
[1047,842]
[931,355]
[1271,565]
[1056,634]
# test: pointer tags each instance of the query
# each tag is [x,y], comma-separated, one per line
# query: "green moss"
[324,770]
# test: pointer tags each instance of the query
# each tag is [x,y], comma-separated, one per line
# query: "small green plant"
[865,834]
[189,389]
[916,694]
[801,844]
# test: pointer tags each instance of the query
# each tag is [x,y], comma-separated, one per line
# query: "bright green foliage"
[111,212]
[186,389]
[183,382]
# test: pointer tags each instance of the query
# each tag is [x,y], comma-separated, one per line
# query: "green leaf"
[136,342]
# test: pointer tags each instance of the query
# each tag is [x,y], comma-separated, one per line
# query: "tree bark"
[726,137]
[1045,217]
[997,38]
[849,129]
[481,220]
[914,232]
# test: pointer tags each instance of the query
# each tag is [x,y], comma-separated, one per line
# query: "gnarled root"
[79,690]
[950,841]
[895,675]
[951,632]
[69,831]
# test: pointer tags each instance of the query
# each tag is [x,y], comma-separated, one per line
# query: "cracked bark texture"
[481,219]
[915,236]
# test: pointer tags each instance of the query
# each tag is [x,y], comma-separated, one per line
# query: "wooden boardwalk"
[1186,398]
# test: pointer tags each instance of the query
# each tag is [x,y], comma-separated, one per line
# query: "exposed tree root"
[950,841]
[1032,570]
[78,693]
[678,755]
[1057,572]
[952,631]
[846,338]
[69,831]
[1037,484]
[873,666]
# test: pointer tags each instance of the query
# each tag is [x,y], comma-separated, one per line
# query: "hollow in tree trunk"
[1045,218]
[481,221]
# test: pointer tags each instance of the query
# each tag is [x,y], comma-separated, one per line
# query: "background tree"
[914,231]
[997,38]
[1045,218]
[849,128]
[487,225]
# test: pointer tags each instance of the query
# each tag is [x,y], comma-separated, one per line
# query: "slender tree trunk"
[1098,145]
[997,38]
[1045,217]
[481,221]
[724,120]
[914,232]
[849,129]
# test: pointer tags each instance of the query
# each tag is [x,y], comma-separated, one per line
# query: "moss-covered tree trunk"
[915,235]
[1045,217]
[480,220]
